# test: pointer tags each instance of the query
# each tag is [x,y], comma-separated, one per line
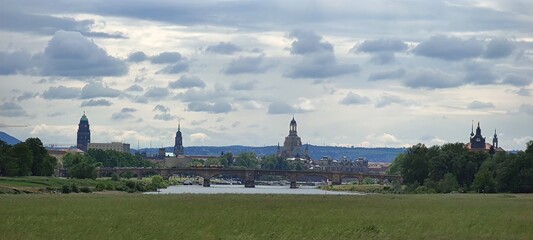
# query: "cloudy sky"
[378,73]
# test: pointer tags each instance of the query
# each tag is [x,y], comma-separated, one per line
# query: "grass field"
[136,216]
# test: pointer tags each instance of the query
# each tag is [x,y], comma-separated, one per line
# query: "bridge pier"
[207,182]
[249,183]
[293,184]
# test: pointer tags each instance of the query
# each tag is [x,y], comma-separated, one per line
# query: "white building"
[116,146]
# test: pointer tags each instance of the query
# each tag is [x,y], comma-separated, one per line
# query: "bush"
[115,177]
[74,188]
[85,190]
[121,188]
[65,189]
[109,186]
[99,187]
[130,190]
[130,184]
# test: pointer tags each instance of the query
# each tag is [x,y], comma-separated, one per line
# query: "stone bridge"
[248,175]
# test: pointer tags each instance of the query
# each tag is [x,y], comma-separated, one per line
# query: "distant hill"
[317,152]
[8,138]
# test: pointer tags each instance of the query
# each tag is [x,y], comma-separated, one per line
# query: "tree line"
[250,160]
[453,167]
[26,158]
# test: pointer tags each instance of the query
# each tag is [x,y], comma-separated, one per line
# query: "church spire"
[472,132]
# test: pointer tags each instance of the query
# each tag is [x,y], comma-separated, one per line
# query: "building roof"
[84,118]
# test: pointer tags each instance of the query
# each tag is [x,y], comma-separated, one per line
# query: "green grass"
[136,216]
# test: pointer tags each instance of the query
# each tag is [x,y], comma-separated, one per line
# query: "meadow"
[110,215]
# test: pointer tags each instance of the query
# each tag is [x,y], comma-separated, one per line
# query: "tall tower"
[178,143]
[293,143]
[495,140]
[477,141]
[84,134]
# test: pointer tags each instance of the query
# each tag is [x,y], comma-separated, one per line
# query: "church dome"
[84,118]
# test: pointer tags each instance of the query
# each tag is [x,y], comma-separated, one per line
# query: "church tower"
[178,143]
[477,141]
[495,140]
[84,134]
[293,144]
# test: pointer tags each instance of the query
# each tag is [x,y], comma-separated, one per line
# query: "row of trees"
[452,167]
[110,158]
[250,160]
[26,158]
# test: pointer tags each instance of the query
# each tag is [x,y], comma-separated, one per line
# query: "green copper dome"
[84,118]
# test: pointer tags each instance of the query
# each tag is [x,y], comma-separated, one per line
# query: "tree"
[39,156]
[247,160]
[484,182]
[23,159]
[79,166]
[415,166]
[448,183]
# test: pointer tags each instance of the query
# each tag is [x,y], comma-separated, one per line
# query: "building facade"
[116,146]
[178,143]
[84,134]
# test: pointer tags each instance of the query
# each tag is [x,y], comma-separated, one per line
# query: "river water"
[240,189]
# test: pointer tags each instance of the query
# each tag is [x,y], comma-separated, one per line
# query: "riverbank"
[233,216]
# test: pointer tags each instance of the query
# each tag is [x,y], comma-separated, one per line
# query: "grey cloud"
[128,110]
[283,108]
[381,45]
[354,99]
[96,89]
[157,92]
[161,108]
[61,92]
[526,108]
[187,82]
[431,79]
[479,105]
[13,20]
[317,57]
[308,42]
[167,57]
[165,117]
[387,75]
[383,58]
[449,48]
[498,48]
[14,62]
[242,65]
[388,99]
[320,65]
[516,80]
[478,74]
[523,92]
[11,109]
[174,68]
[95,103]
[137,57]
[223,48]
[71,54]
[125,113]
[235,124]
[194,94]
[242,85]
[26,96]
[135,88]
[218,107]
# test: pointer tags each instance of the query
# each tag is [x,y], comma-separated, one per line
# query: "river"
[240,189]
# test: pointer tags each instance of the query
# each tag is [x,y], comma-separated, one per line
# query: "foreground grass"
[135,216]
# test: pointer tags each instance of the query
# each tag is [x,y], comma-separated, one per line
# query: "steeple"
[478,130]
[495,140]
[178,142]
[472,132]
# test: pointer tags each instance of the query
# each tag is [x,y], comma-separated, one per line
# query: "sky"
[352,73]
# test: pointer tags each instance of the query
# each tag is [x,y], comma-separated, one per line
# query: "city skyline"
[379,74]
